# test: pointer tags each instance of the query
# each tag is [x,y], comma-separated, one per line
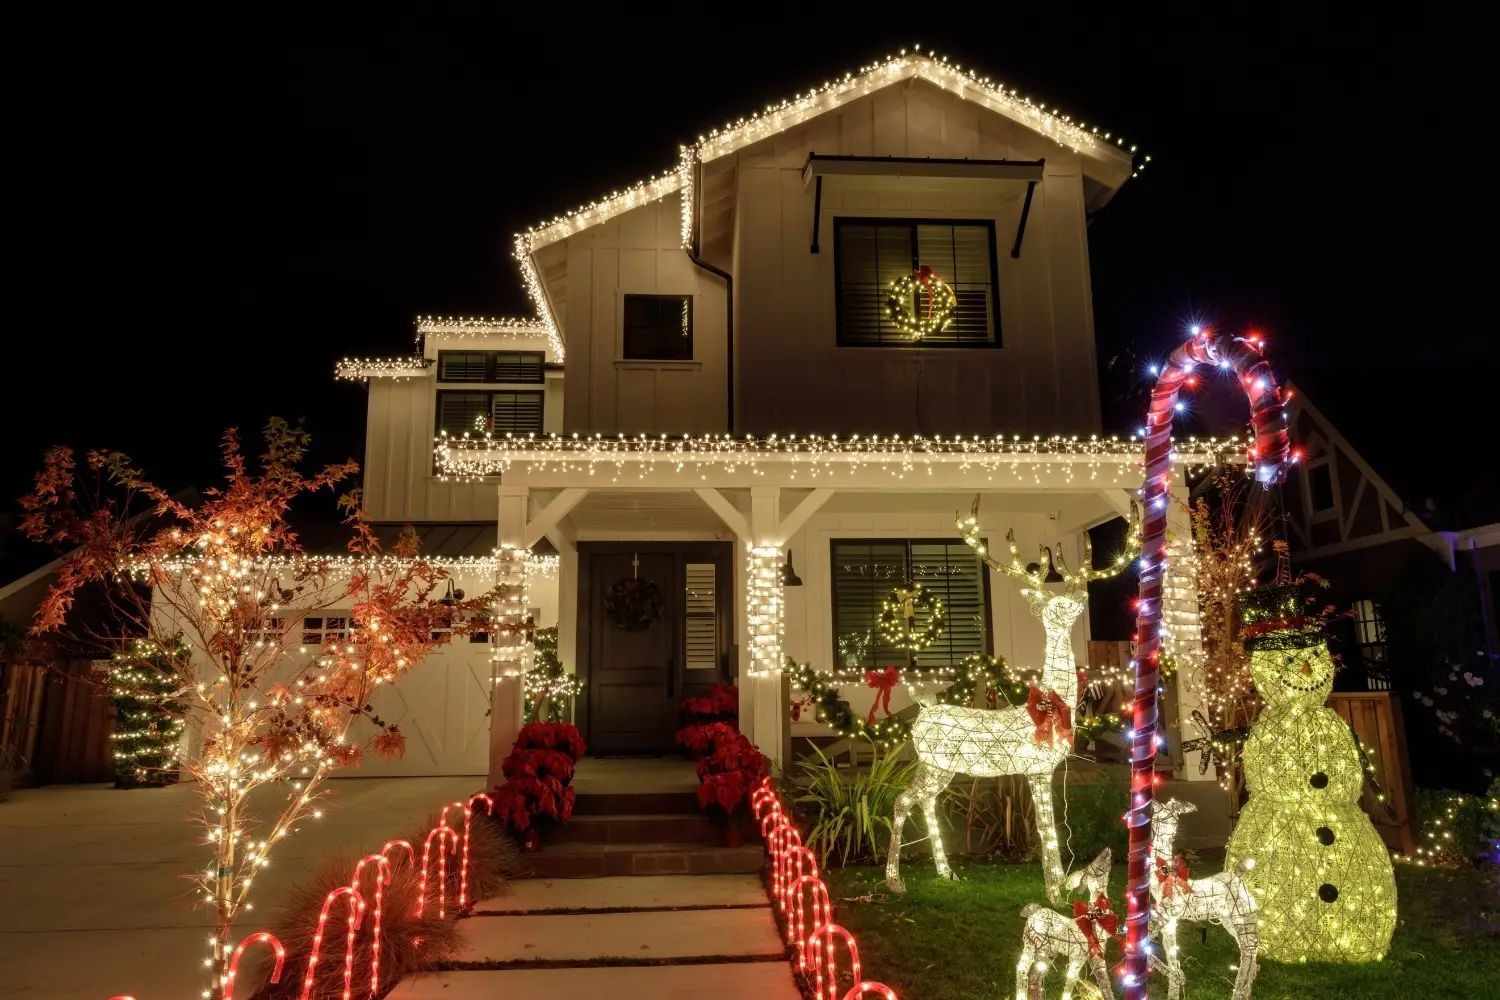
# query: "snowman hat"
[1274,619]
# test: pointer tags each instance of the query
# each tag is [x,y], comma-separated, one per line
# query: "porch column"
[507,699]
[1179,608]
[763,616]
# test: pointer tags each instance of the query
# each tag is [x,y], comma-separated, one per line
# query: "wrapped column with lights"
[1270,454]
[763,610]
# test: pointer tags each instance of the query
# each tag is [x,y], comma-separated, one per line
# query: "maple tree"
[230,576]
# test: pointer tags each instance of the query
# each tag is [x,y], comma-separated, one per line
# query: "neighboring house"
[1345,523]
[741,424]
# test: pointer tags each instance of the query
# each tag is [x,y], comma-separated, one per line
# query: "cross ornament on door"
[635,565]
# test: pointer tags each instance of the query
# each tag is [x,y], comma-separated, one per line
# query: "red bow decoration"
[1087,917]
[799,705]
[1173,876]
[882,681]
[1051,715]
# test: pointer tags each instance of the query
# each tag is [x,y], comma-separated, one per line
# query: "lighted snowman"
[1321,877]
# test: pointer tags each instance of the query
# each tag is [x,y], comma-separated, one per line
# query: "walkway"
[90,902]
[662,937]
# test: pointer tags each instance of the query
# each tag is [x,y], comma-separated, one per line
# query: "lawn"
[961,940]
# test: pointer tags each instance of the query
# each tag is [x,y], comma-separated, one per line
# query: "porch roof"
[858,462]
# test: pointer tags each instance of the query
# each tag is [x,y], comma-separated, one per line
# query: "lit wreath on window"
[898,618]
[901,298]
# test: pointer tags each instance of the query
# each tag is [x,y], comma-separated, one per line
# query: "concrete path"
[90,902]
[686,922]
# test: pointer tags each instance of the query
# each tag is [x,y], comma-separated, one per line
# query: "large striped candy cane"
[382,879]
[1202,355]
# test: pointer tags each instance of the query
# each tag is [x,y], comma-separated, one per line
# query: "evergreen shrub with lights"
[150,716]
[550,689]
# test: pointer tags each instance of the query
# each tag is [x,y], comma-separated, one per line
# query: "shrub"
[1453,829]
[850,812]
[995,817]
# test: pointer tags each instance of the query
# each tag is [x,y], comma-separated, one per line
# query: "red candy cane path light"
[824,959]
[356,914]
[411,854]
[382,879]
[446,837]
[867,987]
[261,937]
[463,877]
[1269,457]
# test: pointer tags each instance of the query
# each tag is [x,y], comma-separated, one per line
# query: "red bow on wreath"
[927,276]
[1087,917]
[882,681]
[1173,876]
[1051,715]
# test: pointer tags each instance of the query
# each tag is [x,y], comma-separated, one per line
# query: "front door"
[633,670]
[638,667]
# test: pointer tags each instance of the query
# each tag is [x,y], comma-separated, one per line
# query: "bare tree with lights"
[230,575]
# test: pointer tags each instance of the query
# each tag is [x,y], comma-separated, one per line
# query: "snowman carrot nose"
[1306,669]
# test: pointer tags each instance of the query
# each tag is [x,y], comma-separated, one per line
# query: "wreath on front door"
[633,604]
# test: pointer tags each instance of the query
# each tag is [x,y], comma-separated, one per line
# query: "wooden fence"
[58,717]
[1376,718]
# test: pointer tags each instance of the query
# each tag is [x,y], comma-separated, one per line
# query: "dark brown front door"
[633,672]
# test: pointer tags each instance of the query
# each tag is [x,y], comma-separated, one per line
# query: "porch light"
[789,577]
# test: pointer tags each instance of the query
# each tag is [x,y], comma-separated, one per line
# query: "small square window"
[658,328]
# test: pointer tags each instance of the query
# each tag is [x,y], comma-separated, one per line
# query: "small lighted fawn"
[1030,739]
[1222,899]
[1049,934]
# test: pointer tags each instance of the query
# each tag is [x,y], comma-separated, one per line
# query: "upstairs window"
[865,573]
[869,254]
[658,328]
[474,413]
[528,367]
[318,630]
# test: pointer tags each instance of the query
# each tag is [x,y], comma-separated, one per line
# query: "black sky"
[203,219]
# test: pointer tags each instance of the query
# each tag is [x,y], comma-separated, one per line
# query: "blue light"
[1154,370]
[1195,329]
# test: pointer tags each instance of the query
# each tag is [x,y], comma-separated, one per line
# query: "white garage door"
[442,706]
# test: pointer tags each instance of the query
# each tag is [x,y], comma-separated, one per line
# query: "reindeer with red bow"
[1081,939]
[1031,739]
[1222,899]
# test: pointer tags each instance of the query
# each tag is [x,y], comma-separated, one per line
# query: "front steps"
[654,833]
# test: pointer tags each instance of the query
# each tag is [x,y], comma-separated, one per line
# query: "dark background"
[204,217]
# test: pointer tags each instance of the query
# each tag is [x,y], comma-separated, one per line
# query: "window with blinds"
[702,617]
[460,412]
[864,574]
[869,254]
[528,367]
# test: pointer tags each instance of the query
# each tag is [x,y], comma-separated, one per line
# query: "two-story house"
[722,434]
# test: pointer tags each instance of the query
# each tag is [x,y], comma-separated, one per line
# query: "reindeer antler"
[968,527]
[1087,574]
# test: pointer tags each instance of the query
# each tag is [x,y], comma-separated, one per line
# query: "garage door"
[442,706]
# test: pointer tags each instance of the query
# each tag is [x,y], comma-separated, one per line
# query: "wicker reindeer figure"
[1079,939]
[1222,899]
[1031,739]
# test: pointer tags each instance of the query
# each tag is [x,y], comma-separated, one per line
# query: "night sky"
[203,219]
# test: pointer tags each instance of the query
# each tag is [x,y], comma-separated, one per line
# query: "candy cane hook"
[463,877]
[1270,456]
[447,837]
[382,879]
[260,937]
[411,854]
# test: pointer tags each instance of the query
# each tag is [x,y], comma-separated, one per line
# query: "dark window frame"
[489,407]
[833,579]
[839,222]
[493,370]
[657,296]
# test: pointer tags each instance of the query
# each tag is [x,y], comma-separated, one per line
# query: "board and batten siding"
[640,252]
[792,374]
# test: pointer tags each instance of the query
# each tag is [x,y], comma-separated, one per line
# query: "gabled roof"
[1089,141]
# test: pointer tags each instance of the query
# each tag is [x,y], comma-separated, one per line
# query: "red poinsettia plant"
[705,714]
[538,788]
[727,776]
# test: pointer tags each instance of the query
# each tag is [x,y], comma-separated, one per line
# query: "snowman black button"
[1328,892]
[1318,780]
[1325,836]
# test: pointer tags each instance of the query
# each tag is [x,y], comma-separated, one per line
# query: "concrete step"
[652,935]
[572,860]
[668,828]
[635,804]
[654,892]
[760,980]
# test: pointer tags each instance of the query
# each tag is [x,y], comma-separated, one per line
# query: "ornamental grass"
[407,942]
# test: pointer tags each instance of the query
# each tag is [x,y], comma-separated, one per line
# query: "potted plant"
[538,790]
[726,777]
[719,707]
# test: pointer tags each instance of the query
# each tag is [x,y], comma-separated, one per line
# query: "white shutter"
[702,616]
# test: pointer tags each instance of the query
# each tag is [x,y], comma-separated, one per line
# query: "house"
[714,417]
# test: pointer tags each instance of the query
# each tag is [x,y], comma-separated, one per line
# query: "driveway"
[90,902]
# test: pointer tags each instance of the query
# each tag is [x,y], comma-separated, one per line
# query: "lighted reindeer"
[1078,939]
[1030,739]
[1222,899]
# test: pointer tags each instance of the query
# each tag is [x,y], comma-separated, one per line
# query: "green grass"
[961,940]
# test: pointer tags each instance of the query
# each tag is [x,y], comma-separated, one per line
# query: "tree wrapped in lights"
[231,577]
[550,689]
[1322,877]
[149,715]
